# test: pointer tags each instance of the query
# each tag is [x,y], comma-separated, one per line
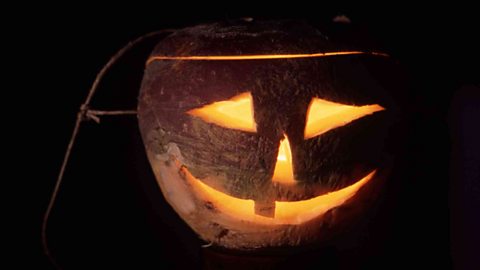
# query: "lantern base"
[215,259]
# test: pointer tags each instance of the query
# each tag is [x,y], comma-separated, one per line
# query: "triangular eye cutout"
[324,115]
[235,113]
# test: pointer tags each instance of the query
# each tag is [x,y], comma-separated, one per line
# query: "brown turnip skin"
[241,163]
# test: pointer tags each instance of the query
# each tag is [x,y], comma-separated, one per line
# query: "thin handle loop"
[87,114]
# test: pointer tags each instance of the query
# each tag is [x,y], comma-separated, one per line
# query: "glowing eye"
[324,115]
[235,113]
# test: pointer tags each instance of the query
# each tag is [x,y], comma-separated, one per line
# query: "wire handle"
[85,114]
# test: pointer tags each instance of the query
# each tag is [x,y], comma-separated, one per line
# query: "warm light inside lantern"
[296,212]
[235,113]
[283,172]
[257,56]
[324,115]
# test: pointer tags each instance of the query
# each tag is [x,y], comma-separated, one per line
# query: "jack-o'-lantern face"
[258,151]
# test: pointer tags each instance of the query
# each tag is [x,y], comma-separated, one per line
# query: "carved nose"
[283,172]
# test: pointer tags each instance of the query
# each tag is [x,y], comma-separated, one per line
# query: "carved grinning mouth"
[292,213]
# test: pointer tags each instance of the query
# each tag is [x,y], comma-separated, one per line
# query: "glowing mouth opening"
[295,212]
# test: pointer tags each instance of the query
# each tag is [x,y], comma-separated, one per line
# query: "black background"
[105,215]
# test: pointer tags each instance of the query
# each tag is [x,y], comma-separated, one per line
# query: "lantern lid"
[245,37]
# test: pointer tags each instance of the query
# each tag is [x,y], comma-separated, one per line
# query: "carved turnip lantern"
[264,134]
